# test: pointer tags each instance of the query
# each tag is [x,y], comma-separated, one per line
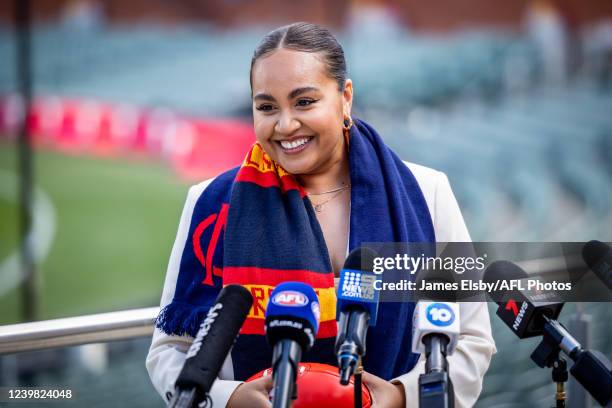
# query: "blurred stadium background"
[134,101]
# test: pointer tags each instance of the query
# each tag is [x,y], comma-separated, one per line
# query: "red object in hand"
[318,385]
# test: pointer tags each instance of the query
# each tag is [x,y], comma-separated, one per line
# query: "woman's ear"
[347,96]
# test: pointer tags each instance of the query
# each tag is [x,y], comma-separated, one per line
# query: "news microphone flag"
[356,286]
[293,311]
[435,318]
[522,310]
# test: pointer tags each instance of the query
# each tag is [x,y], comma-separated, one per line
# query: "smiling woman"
[315,185]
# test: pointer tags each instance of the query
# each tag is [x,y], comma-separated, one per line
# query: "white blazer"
[468,363]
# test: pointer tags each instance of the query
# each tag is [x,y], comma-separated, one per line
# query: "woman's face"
[298,111]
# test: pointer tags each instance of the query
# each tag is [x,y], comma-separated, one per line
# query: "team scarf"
[255,226]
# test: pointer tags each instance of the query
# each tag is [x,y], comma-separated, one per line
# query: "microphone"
[521,310]
[591,368]
[211,345]
[292,323]
[435,331]
[357,309]
[598,256]
[440,319]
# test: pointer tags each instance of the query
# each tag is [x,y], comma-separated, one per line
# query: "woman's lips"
[296,145]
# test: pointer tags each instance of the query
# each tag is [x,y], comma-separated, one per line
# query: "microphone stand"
[286,356]
[547,355]
[591,370]
[560,377]
[357,385]
[435,386]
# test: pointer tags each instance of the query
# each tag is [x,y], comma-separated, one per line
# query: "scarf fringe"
[179,318]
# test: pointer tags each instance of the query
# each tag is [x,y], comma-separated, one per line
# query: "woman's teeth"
[295,143]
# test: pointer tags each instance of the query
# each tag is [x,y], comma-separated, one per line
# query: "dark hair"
[306,37]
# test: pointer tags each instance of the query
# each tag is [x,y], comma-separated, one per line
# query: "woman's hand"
[384,393]
[252,394]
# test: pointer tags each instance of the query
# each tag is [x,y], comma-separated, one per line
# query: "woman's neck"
[337,175]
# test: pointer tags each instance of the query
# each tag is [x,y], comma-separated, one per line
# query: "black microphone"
[598,256]
[521,310]
[528,319]
[357,309]
[211,345]
[292,323]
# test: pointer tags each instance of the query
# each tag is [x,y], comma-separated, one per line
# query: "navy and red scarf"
[255,226]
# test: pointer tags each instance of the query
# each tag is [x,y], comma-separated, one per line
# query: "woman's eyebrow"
[292,94]
[299,91]
[264,97]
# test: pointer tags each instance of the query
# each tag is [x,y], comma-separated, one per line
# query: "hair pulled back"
[305,37]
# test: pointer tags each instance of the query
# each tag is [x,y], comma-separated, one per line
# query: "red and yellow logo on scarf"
[268,279]
[259,168]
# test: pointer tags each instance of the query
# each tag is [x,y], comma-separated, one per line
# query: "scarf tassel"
[181,318]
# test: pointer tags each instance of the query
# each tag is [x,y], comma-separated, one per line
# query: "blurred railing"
[78,330]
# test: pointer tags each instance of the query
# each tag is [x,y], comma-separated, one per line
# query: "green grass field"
[116,222]
[9,225]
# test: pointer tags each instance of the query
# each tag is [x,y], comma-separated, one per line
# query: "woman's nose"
[286,124]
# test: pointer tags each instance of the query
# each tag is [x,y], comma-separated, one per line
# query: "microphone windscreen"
[356,285]
[519,308]
[598,256]
[502,271]
[293,305]
[360,259]
[215,338]
[593,252]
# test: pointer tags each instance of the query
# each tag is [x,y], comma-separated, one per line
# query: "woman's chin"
[296,165]
[295,169]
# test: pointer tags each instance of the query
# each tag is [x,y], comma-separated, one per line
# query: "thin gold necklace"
[330,191]
[319,207]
